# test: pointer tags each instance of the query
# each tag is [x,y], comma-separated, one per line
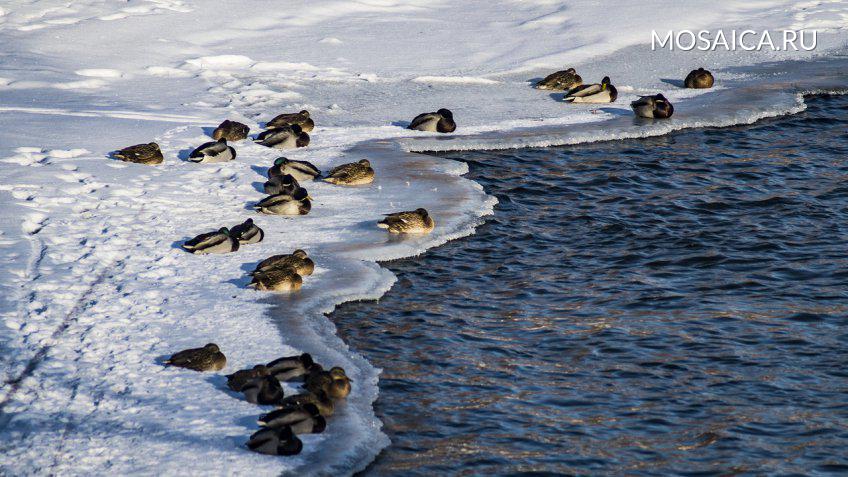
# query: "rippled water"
[666,305]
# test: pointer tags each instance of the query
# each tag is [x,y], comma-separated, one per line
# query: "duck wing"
[205,240]
[274,199]
[242,229]
[274,262]
[269,133]
[643,101]
[185,357]
[423,118]
[306,167]
[344,171]
[286,119]
[395,219]
[584,90]
[205,149]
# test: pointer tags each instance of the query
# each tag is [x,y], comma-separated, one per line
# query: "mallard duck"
[298,260]
[265,390]
[285,184]
[560,81]
[280,138]
[302,171]
[291,367]
[275,441]
[242,377]
[440,121]
[413,222]
[208,358]
[699,78]
[604,92]
[212,242]
[301,119]
[298,203]
[247,232]
[355,173]
[288,416]
[140,154]
[333,382]
[217,151]
[231,131]
[277,279]
[304,419]
[652,107]
[320,400]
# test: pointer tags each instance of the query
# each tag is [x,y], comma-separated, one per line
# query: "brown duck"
[141,154]
[207,358]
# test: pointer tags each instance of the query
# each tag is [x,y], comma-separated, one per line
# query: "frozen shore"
[97,291]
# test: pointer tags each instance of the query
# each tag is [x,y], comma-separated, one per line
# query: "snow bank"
[97,290]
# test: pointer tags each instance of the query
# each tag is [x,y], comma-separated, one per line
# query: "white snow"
[97,291]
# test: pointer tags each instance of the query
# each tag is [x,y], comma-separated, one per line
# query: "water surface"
[665,305]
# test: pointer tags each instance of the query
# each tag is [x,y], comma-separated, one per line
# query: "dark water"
[676,305]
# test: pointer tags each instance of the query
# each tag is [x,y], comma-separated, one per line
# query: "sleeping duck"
[217,151]
[652,107]
[603,92]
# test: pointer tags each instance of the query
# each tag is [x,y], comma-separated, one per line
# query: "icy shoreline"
[346,271]
[97,290]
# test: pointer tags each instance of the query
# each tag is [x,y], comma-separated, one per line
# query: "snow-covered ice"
[96,289]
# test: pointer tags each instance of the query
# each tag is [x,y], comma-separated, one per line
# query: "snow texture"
[97,292]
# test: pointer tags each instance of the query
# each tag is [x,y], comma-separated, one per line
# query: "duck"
[231,131]
[275,441]
[264,390]
[412,222]
[217,151]
[303,140]
[291,367]
[355,173]
[212,242]
[285,184]
[247,232]
[603,92]
[560,81]
[656,106]
[306,419]
[302,171]
[299,260]
[277,279]
[298,203]
[207,358]
[149,154]
[286,137]
[320,399]
[333,382]
[440,121]
[301,119]
[699,78]
[242,377]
